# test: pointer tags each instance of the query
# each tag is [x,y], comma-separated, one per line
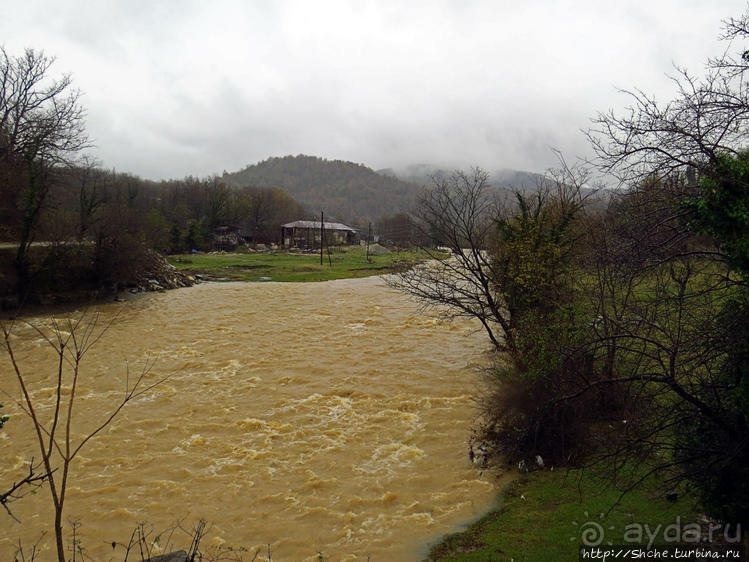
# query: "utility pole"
[322,233]
[369,235]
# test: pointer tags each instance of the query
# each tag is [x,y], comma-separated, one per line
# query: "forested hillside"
[346,191]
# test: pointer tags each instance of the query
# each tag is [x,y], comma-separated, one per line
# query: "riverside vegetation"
[620,323]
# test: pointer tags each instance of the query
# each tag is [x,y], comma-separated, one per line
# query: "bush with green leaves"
[526,411]
[720,208]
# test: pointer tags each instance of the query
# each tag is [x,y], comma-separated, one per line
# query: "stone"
[179,556]
[378,250]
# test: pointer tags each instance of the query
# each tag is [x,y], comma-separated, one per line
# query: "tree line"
[52,194]
[619,320]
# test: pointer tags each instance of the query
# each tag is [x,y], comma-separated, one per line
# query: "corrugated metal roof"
[316,225]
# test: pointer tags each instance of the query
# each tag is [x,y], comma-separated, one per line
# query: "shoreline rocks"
[159,275]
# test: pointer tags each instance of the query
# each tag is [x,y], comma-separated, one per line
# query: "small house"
[306,234]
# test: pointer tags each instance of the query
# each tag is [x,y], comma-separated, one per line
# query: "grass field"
[545,515]
[292,267]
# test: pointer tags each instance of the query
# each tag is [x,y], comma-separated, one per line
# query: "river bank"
[548,515]
[66,275]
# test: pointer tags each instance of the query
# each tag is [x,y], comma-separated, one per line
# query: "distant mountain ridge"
[353,193]
[421,174]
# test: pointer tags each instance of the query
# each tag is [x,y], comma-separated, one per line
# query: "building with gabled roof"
[306,234]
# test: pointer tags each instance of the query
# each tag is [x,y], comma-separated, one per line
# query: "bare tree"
[667,342]
[672,303]
[496,244]
[398,230]
[41,127]
[708,116]
[457,214]
[70,342]
[91,182]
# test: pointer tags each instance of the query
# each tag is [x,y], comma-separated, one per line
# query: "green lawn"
[544,515]
[283,266]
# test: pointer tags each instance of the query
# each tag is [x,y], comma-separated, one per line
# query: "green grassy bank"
[545,515]
[284,266]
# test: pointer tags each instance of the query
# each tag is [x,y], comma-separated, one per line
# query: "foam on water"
[324,417]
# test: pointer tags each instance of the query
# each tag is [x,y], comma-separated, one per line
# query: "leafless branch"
[28,483]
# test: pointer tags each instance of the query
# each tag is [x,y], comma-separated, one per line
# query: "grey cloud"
[175,88]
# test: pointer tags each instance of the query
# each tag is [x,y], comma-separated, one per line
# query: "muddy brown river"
[318,417]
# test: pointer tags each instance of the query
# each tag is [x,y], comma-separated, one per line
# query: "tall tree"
[677,313]
[41,128]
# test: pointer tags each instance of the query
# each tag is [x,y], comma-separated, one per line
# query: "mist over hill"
[421,174]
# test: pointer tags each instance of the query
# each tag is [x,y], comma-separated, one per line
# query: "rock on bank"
[158,275]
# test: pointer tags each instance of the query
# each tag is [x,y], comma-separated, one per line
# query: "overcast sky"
[179,87]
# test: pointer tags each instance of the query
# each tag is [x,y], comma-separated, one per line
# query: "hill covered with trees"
[349,192]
